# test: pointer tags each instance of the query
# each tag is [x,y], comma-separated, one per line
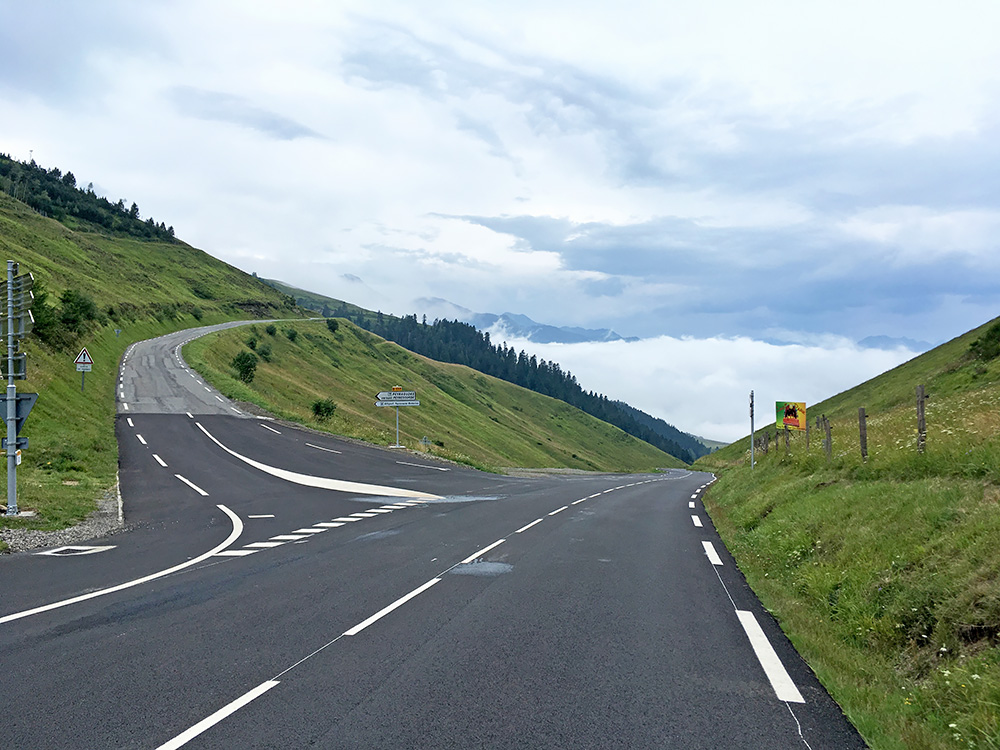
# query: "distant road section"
[155,379]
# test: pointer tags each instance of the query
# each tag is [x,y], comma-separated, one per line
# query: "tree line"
[52,193]
[461,343]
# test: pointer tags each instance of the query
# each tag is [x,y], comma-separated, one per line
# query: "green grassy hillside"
[467,416]
[142,289]
[885,573]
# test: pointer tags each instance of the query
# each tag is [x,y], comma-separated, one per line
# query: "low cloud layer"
[702,386]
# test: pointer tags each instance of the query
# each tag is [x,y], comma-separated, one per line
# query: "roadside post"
[751,430]
[19,322]
[83,363]
[397,397]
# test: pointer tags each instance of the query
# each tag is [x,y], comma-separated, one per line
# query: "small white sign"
[83,361]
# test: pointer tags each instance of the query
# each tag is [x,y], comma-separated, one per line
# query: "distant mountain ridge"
[515,325]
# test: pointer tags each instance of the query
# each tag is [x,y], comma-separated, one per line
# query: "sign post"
[397,397]
[19,322]
[83,364]
[751,430]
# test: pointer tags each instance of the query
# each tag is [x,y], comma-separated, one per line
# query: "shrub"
[252,342]
[264,352]
[271,329]
[987,346]
[245,364]
[332,325]
[323,409]
[292,334]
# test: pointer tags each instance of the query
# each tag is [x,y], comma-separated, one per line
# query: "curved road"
[278,588]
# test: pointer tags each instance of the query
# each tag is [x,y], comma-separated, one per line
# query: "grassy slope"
[72,456]
[885,574]
[480,420]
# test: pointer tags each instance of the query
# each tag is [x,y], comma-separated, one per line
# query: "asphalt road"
[281,589]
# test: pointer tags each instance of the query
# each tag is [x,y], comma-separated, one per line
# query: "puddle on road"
[481,569]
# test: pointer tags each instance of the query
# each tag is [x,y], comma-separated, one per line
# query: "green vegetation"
[462,344]
[885,573]
[87,286]
[467,416]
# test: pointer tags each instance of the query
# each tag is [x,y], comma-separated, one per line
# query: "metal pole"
[751,431]
[11,399]
[397,426]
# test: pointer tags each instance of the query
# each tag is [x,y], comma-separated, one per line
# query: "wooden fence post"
[828,441]
[863,430]
[921,419]
[787,433]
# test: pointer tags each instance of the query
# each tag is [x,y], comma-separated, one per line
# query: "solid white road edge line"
[398,603]
[773,668]
[233,536]
[308,480]
[189,734]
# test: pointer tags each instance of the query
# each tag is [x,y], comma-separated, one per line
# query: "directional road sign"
[412,402]
[397,396]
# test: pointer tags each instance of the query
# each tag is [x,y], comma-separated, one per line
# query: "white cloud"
[702,386]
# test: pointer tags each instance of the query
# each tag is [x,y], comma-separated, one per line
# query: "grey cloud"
[222,107]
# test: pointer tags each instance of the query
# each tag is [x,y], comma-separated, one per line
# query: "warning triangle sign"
[84,358]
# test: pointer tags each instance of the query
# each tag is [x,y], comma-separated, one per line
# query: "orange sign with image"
[790,414]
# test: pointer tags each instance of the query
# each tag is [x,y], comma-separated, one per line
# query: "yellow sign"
[790,414]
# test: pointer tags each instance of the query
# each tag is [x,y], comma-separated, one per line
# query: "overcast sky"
[714,177]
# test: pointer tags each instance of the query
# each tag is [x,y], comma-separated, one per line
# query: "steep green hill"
[885,573]
[142,288]
[466,416]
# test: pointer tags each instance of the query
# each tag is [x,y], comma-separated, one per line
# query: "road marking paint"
[219,399]
[141,438]
[161,462]
[558,510]
[189,734]
[345,518]
[310,530]
[590,496]
[713,556]
[262,515]
[364,515]
[694,496]
[121,395]
[233,536]
[398,603]
[577,502]
[329,524]
[783,686]
[235,552]
[271,429]
[321,448]
[379,510]
[125,406]
[263,545]
[410,503]
[129,420]
[288,537]
[208,389]
[75,551]
[192,485]
[321,482]
[395,507]
[482,552]
[423,466]
[189,415]
[696,521]
[525,528]
[691,504]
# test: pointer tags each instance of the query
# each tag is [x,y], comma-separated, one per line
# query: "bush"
[245,364]
[252,342]
[292,334]
[332,325]
[987,346]
[271,329]
[77,310]
[323,409]
[264,352]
